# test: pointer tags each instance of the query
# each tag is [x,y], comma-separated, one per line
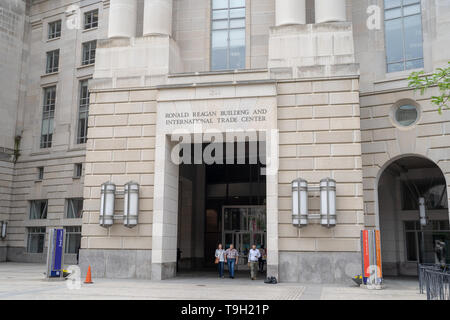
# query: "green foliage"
[441,79]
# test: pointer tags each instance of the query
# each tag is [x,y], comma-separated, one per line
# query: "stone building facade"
[324,73]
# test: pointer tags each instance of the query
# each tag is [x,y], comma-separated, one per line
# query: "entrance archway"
[224,203]
[406,239]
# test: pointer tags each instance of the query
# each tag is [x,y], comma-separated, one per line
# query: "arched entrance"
[405,238]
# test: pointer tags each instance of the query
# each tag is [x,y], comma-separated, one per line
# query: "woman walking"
[220,259]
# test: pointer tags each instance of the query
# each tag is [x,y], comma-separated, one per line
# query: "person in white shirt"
[253,257]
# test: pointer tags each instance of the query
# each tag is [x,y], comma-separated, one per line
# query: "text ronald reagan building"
[152,130]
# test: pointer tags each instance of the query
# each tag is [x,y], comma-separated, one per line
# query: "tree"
[440,78]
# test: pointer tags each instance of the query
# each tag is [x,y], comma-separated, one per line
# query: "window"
[89,52]
[406,115]
[83,112]
[48,116]
[52,61]
[78,170]
[420,241]
[40,173]
[36,237]
[91,19]
[54,29]
[38,209]
[403,34]
[228,34]
[73,239]
[74,208]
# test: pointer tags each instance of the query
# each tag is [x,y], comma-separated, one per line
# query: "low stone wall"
[19,254]
[319,267]
[3,254]
[118,264]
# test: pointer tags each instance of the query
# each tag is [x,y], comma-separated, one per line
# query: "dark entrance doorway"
[220,203]
[404,186]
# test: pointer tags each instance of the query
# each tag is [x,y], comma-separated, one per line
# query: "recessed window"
[74,208]
[91,19]
[36,237]
[83,112]
[48,117]
[54,29]
[415,234]
[38,209]
[228,34]
[403,34]
[40,173]
[52,61]
[78,170]
[406,115]
[89,52]
[73,239]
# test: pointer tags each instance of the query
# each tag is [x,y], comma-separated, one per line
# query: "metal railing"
[435,279]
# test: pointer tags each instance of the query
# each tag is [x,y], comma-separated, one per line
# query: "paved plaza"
[26,281]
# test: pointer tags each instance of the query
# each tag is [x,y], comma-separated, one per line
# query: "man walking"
[253,257]
[231,257]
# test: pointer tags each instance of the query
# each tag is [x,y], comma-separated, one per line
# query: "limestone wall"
[370,44]
[12,22]
[120,149]
[383,141]
[320,137]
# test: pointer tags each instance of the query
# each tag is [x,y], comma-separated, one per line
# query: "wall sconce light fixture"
[4,226]
[328,202]
[131,204]
[422,213]
[300,202]
[108,197]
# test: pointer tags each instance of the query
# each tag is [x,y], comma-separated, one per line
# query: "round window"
[406,115]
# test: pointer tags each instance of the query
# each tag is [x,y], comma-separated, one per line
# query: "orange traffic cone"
[88,276]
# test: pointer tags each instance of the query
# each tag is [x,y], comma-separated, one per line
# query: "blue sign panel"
[58,247]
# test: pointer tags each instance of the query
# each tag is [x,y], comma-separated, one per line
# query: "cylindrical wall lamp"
[131,204]
[108,197]
[328,202]
[3,230]
[422,213]
[300,202]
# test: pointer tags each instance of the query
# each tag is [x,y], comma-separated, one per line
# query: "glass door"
[244,226]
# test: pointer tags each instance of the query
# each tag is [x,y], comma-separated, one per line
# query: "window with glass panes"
[78,170]
[38,209]
[54,29]
[40,173]
[83,112]
[403,34]
[420,241]
[74,208]
[52,61]
[73,239]
[89,52]
[91,19]
[36,238]
[48,117]
[228,34]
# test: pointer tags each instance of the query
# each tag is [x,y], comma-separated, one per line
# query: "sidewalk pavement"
[26,281]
